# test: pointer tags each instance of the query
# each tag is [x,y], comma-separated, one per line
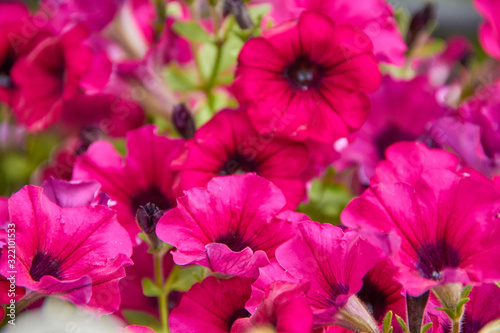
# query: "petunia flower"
[233,226]
[315,73]
[439,225]
[142,177]
[284,309]
[489,32]
[48,76]
[482,308]
[77,254]
[375,18]
[334,262]
[401,111]
[228,144]
[473,132]
[18,36]
[211,306]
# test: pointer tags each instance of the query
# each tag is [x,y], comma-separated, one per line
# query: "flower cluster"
[249,166]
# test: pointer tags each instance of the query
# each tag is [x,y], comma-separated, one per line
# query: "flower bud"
[419,21]
[148,216]
[240,12]
[183,121]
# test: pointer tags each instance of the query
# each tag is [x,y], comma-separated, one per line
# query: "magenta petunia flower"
[48,76]
[473,132]
[489,32]
[438,224]
[375,18]
[315,73]
[386,124]
[482,308]
[72,194]
[77,254]
[283,308]
[111,115]
[233,226]
[227,144]
[142,177]
[211,306]
[136,329]
[334,262]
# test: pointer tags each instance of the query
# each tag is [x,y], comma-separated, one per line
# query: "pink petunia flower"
[77,254]
[482,308]
[375,18]
[18,36]
[136,329]
[217,305]
[227,145]
[283,308]
[401,111]
[473,132]
[142,177]
[334,262]
[307,79]
[233,226]
[489,32]
[438,224]
[48,76]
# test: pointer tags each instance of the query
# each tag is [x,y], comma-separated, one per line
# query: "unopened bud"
[183,121]
[148,216]
[419,22]
[240,12]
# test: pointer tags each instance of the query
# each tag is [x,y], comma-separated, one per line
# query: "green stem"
[161,16]
[162,299]
[456,326]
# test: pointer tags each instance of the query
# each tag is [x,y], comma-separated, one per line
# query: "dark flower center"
[433,258]
[240,313]
[303,73]
[374,298]
[5,68]
[151,195]
[391,134]
[42,265]
[234,240]
[469,325]
[238,164]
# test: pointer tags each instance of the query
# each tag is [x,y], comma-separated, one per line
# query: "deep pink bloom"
[473,132]
[211,306]
[142,177]
[375,18]
[77,254]
[232,226]
[482,308]
[48,76]
[18,36]
[315,73]
[112,115]
[228,144]
[333,261]
[438,224]
[387,124]
[283,308]
[489,32]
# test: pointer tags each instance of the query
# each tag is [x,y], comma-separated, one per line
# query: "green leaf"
[142,319]
[230,51]
[180,80]
[326,200]
[192,31]
[461,305]
[465,292]
[498,284]
[206,56]
[186,277]
[402,324]
[257,12]
[449,312]
[426,327]
[149,288]
[387,322]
